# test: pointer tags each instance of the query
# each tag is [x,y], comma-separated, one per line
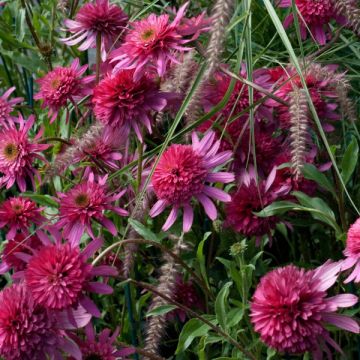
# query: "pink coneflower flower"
[7,106]
[315,16]
[59,276]
[122,102]
[18,153]
[185,172]
[98,18]
[84,203]
[152,42]
[18,214]
[28,331]
[101,346]
[252,197]
[61,85]
[352,252]
[290,308]
[322,93]
[105,149]
[19,244]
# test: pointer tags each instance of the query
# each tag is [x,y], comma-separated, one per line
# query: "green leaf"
[44,200]
[234,316]
[143,231]
[349,161]
[192,329]
[276,208]
[310,172]
[270,353]
[20,25]
[161,310]
[201,258]
[220,304]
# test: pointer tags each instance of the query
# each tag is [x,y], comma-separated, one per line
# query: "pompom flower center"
[11,151]
[18,209]
[82,200]
[179,175]
[314,11]
[148,34]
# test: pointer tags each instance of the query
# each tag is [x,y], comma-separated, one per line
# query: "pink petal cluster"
[18,213]
[84,203]
[63,85]
[7,106]
[352,253]
[315,17]
[28,331]
[151,44]
[291,307]
[18,153]
[120,101]
[98,18]
[185,172]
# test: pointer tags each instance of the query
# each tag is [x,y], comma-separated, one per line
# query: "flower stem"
[98,56]
[140,160]
[128,301]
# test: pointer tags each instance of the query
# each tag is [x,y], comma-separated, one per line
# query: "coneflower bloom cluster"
[291,307]
[17,214]
[18,154]
[61,85]
[185,172]
[93,20]
[7,105]
[84,203]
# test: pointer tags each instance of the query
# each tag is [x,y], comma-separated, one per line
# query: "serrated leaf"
[143,231]
[192,329]
[161,310]
[221,305]
[349,161]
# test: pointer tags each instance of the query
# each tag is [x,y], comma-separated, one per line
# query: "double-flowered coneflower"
[291,307]
[18,154]
[185,172]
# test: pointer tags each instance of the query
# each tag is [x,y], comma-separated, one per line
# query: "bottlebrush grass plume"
[63,85]
[151,44]
[80,144]
[351,12]
[28,331]
[298,130]
[18,213]
[60,277]
[185,172]
[352,253]
[7,106]
[18,154]
[84,203]
[120,101]
[98,18]
[291,307]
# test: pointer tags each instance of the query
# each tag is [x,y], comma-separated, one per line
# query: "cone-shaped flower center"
[11,151]
[82,200]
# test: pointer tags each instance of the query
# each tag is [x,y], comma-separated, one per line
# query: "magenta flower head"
[18,214]
[315,16]
[152,42]
[290,309]
[122,102]
[252,197]
[86,202]
[18,153]
[185,172]
[7,106]
[59,276]
[352,252]
[101,346]
[61,85]
[28,331]
[97,18]
[19,244]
